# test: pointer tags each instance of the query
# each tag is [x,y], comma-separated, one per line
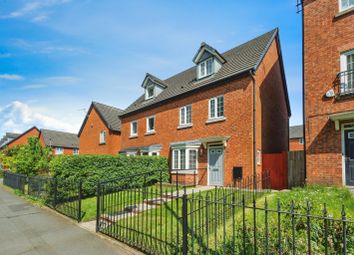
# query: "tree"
[32,158]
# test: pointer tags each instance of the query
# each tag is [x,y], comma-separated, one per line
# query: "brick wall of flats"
[295,145]
[326,35]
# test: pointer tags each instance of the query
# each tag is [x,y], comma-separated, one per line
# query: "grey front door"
[349,157]
[216,166]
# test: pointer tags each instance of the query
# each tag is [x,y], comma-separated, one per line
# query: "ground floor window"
[184,159]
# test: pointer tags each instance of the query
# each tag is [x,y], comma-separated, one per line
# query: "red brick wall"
[325,37]
[89,137]
[295,145]
[24,138]
[238,124]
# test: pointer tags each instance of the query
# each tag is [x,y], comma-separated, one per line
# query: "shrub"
[93,168]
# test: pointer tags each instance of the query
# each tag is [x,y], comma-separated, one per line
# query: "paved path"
[28,230]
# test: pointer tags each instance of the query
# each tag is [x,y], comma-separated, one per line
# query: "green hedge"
[91,169]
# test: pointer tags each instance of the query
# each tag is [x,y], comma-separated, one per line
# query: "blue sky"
[56,56]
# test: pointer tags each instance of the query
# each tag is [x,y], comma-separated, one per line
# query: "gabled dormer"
[208,61]
[153,86]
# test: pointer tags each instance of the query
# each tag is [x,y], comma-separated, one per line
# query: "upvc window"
[150,92]
[102,137]
[259,156]
[59,151]
[345,4]
[216,107]
[133,128]
[347,72]
[184,159]
[185,115]
[301,140]
[150,124]
[76,151]
[206,67]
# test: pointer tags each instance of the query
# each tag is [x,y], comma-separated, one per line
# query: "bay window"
[184,159]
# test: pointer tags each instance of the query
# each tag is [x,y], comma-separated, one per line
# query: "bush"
[93,168]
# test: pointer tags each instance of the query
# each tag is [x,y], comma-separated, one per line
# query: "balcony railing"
[346,82]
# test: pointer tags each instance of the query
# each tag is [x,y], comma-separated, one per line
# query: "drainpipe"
[303,86]
[252,74]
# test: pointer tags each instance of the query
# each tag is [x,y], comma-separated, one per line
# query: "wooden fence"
[296,169]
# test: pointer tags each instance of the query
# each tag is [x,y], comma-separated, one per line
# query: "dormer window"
[153,86]
[206,67]
[150,92]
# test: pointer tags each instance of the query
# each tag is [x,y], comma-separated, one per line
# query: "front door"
[349,157]
[216,166]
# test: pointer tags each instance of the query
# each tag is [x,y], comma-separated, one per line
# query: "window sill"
[344,12]
[184,171]
[133,136]
[102,143]
[209,121]
[185,126]
[150,133]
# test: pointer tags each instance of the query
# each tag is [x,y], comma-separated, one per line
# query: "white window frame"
[259,157]
[148,130]
[103,137]
[215,99]
[301,140]
[203,70]
[187,158]
[59,150]
[344,67]
[76,151]
[147,92]
[344,9]
[131,128]
[183,121]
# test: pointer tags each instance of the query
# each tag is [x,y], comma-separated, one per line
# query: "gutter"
[252,74]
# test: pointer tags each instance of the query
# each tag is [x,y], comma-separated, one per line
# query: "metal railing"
[15,180]
[346,82]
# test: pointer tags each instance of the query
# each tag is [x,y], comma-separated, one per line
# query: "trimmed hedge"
[93,168]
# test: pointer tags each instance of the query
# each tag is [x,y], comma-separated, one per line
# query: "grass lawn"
[161,227]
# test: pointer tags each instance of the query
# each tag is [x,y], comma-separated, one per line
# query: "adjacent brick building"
[224,112]
[7,138]
[100,132]
[62,143]
[296,138]
[23,138]
[329,90]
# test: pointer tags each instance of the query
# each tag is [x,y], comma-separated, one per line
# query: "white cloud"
[40,18]
[12,77]
[34,86]
[19,116]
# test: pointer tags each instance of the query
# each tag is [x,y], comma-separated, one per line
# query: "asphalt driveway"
[29,230]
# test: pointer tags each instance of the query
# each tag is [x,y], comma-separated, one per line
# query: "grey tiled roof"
[60,139]
[110,115]
[296,132]
[8,137]
[240,59]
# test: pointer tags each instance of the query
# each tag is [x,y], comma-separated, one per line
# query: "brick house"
[224,112]
[296,138]
[7,138]
[328,90]
[61,142]
[23,138]
[100,132]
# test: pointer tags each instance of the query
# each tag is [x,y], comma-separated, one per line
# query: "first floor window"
[184,159]
[216,107]
[347,72]
[346,4]
[102,137]
[76,152]
[185,116]
[150,124]
[59,151]
[133,128]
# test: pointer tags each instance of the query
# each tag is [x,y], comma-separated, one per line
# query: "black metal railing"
[15,180]
[63,196]
[152,217]
[346,82]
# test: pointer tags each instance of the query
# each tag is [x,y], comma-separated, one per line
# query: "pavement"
[29,230]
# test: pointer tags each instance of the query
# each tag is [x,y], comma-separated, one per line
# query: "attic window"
[206,68]
[150,91]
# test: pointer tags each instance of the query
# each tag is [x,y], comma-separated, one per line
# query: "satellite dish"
[330,93]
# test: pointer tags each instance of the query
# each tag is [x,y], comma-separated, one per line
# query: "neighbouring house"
[61,142]
[100,132]
[296,138]
[8,137]
[329,91]
[215,120]
[23,138]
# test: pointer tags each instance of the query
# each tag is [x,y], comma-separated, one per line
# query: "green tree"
[32,158]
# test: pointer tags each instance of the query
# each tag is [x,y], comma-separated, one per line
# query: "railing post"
[98,207]
[184,224]
[55,192]
[79,205]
